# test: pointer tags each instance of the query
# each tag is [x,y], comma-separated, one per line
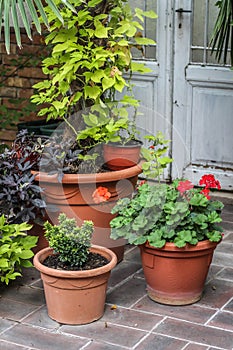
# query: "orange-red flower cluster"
[101,194]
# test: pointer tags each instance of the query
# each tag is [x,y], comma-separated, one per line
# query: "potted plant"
[20,196]
[92,196]
[177,229]
[110,126]
[89,55]
[86,71]
[74,272]
[86,66]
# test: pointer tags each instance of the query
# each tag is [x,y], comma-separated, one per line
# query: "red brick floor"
[136,322]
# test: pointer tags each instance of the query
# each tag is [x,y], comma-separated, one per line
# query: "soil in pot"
[94,261]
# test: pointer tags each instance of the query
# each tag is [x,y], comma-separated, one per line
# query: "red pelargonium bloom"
[210,182]
[101,194]
[140,183]
[206,192]
[184,186]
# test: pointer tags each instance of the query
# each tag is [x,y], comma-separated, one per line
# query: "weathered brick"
[7,136]
[3,49]
[31,72]
[19,82]
[25,93]
[8,92]
[7,59]
[16,82]
[13,105]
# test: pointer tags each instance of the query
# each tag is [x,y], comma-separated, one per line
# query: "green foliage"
[12,9]
[70,241]
[221,40]
[155,160]
[106,122]
[89,55]
[160,213]
[15,249]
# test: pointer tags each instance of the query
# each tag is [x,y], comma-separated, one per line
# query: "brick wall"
[19,71]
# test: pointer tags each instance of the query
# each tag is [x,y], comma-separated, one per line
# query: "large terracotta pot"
[176,276]
[75,297]
[74,198]
[38,230]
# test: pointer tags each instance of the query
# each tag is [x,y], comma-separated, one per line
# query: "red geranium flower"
[184,186]
[210,182]
[101,194]
[206,192]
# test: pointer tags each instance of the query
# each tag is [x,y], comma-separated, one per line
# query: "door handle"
[181,10]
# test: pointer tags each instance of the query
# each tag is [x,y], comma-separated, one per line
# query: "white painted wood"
[187,96]
[154,89]
[202,112]
[181,105]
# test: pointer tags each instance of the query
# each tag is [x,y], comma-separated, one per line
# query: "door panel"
[203,103]
[188,95]
[154,90]
[210,93]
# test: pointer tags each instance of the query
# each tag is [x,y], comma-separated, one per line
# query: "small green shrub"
[15,249]
[70,241]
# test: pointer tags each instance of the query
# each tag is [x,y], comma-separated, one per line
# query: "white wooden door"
[188,95]
[202,98]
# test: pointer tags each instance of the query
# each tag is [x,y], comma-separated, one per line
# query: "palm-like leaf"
[29,11]
[222,39]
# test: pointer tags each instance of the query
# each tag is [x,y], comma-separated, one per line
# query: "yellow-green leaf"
[100,31]
[144,41]
[92,92]
[107,83]
[150,14]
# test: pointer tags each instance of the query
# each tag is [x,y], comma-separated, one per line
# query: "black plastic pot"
[39,127]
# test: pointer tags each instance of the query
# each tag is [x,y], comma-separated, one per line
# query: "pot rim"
[90,178]
[201,245]
[44,253]
[138,144]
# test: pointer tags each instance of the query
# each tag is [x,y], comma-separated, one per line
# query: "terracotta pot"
[74,198]
[176,276]
[117,156]
[75,297]
[38,230]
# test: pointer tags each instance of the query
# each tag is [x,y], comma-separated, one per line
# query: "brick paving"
[135,321]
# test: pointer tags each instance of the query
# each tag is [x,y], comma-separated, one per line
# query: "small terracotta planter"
[117,156]
[75,297]
[176,276]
